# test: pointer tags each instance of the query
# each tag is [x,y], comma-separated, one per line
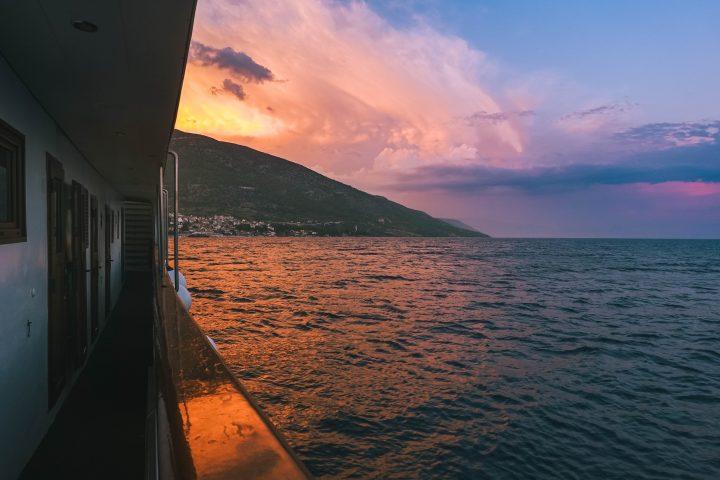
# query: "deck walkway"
[100,430]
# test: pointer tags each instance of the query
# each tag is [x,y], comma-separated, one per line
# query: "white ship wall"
[24,416]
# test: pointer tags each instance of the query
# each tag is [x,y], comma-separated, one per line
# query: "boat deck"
[100,430]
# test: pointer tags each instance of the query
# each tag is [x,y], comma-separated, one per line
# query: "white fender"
[183,282]
[185,297]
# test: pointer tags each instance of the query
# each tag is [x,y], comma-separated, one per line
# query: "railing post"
[161,221]
[166,225]
[176,202]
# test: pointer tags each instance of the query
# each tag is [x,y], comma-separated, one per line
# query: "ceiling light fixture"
[85,26]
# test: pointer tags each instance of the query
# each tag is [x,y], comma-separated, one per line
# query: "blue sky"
[660,54]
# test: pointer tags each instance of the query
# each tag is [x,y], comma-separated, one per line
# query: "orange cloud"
[349,92]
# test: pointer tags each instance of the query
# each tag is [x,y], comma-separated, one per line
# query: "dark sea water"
[474,358]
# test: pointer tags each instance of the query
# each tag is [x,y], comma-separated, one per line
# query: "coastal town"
[227,225]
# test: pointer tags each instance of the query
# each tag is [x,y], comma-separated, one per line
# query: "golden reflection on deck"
[229,440]
[225,435]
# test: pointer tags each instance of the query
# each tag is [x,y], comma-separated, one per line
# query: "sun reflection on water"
[399,358]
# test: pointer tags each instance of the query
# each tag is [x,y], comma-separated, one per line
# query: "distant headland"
[230,189]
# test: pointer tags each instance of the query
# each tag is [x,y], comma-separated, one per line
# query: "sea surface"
[474,358]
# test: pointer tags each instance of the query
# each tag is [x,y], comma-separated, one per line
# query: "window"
[12,185]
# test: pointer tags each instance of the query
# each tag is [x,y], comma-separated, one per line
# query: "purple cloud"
[234,88]
[669,135]
[679,164]
[497,117]
[602,110]
[239,63]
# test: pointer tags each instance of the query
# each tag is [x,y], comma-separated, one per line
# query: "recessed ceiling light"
[85,26]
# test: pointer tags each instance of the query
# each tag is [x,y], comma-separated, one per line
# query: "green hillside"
[221,178]
[459,224]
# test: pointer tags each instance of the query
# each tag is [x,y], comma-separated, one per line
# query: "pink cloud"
[352,92]
[686,189]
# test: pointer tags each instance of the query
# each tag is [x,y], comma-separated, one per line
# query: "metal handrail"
[176,202]
[210,426]
[162,241]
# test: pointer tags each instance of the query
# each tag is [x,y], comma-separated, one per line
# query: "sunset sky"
[523,118]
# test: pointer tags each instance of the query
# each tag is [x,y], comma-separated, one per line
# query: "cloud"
[669,135]
[595,118]
[482,116]
[689,164]
[356,90]
[686,189]
[602,110]
[228,86]
[238,63]
[234,88]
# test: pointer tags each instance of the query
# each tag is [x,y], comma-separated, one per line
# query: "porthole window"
[12,185]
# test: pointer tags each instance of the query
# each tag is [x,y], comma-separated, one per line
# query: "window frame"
[15,230]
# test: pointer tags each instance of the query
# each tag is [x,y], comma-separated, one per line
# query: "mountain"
[459,224]
[222,178]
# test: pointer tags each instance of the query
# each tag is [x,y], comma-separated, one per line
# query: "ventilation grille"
[138,235]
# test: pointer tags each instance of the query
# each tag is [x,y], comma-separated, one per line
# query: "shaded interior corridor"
[100,430]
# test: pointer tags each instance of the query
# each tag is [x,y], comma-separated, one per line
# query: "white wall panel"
[24,418]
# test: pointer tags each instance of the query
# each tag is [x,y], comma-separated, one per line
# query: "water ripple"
[474,358]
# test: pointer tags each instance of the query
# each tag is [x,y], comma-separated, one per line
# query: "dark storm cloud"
[239,63]
[689,164]
[233,88]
